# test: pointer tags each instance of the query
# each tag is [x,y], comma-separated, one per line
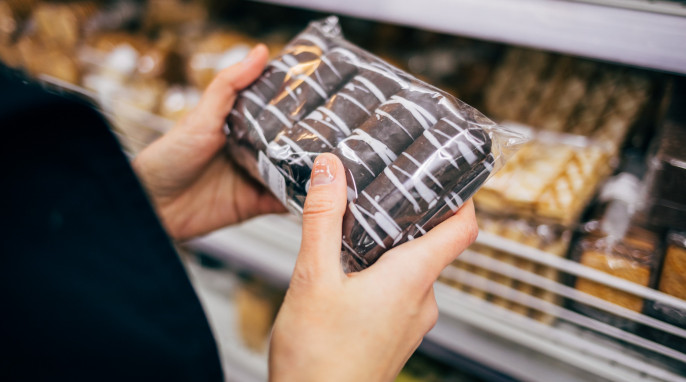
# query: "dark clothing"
[92,289]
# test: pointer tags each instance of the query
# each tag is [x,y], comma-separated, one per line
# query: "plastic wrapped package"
[633,256]
[551,178]
[665,198]
[672,281]
[412,153]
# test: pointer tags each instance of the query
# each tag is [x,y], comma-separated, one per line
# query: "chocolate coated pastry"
[321,131]
[412,186]
[381,138]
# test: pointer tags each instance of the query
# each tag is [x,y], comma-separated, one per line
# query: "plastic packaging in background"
[672,281]
[413,154]
[614,243]
[551,179]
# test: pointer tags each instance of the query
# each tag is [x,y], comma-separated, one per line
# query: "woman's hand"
[194,187]
[361,326]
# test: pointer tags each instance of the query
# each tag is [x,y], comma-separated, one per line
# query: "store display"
[412,158]
[565,94]
[549,238]
[147,62]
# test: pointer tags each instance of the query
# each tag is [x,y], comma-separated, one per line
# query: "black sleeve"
[92,289]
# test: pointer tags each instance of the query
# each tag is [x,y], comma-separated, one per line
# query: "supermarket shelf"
[489,334]
[628,36]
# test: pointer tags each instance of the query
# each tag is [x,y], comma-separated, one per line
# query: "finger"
[219,97]
[427,256]
[325,204]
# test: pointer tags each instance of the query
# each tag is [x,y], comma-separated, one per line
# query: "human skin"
[332,326]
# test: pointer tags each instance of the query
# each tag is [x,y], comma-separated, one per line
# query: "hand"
[361,326]
[193,186]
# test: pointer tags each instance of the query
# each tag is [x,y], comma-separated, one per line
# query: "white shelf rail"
[627,36]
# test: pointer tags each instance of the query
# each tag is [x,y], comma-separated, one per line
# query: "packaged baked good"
[634,257]
[61,24]
[551,178]
[412,153]
[672,281]
[215,52]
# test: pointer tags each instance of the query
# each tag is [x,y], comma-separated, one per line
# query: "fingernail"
[251,55]
[323,171]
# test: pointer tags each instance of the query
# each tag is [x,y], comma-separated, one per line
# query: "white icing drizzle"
[317,87]
[330,65]
[315,132]
[466,152]
[236,113]
[377,93]
[384,114]
[291,93]
[353,58]
[298,150]
[314,39]
[422,189]
[254,97]
[419,113]
[470,137]
[336,119]
[278,114]
[396,182]
[382,218]
[283,66]
[268,83]
[354,101]
[450,204]
[422,168]
[379,147]
[438,146]
[350,154]
[256,124]
[420,229]
[384,72]
[457,199]
[289,60]
[363,222]
[488,166]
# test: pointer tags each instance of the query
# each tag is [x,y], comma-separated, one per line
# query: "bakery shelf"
[489,334]
[646,37]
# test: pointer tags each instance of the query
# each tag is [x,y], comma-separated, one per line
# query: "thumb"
[320,249]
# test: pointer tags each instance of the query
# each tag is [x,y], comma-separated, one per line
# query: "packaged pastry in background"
[177,101]
[665,197]
[61,25]
[613,242]
[215,52]
[39,59]
[412,153]
[13,14]
[552,177]
[570,95]
[172,13]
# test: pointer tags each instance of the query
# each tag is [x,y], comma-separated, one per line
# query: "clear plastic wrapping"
[412,153]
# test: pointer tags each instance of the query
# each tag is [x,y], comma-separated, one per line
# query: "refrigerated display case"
[508,304]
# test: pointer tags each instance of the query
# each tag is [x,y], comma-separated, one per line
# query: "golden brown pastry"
[673,277]
[215,52]
[61,24]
